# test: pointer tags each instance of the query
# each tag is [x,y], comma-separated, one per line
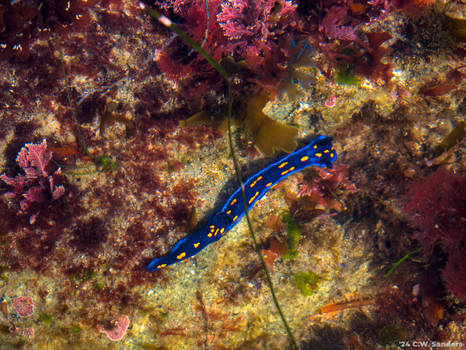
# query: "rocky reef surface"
[114,146]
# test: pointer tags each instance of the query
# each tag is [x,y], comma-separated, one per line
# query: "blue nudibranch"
[318,152]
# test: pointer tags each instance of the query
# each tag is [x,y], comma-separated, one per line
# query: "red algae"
[118,330]
[454,274]
[438,209]
[24,306]
[37,185]
[210,325]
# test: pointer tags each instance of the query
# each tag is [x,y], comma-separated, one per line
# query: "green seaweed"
[407,256]
[399,262]
[293,233]
[98,285]
[307,282]
[80,278]
[453,138]
[100,164]
[392,334]
[106,163]
[344,77]
[75,329]
[46,318]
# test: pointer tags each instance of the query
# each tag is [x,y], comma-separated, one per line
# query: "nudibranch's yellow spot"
[256,181]
[268,185]
[287,171]
[305,158]
[236,217]
[233,201]
[212,227]
[222,230]
[253,197]
[228,212]
[209,234]
[332,149]
[282,165]
[216,232]
[331,155]
[181,256]
[318,155]
[326,151]
[161,266]
[315,146]
[196,244]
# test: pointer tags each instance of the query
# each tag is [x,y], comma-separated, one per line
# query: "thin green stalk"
[251,230]
[167,22]
[399,262]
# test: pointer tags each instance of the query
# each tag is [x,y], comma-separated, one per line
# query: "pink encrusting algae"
[28,332]
[120,325]
[331,101]
[24,306]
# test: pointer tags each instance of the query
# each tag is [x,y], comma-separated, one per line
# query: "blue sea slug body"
[319,152]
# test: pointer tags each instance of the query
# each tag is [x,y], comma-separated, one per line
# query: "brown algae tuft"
[268,134]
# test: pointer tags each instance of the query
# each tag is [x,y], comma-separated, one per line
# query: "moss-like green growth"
[293,233]
[100,164]
[307,282]
[75,329]
[345,78]
[98,285]
[392,334]
[106,163]
[81,278]
[46,318]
